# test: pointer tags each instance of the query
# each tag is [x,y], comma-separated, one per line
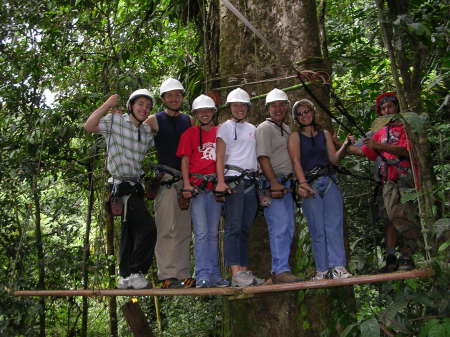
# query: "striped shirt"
[125,152]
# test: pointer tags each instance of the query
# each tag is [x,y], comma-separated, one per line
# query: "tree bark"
[136,320]
[407,65]
[292,29]
[39,248]
[86,246]
[112,303]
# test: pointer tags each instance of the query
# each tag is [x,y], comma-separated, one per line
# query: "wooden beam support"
[136,319]
[270,288]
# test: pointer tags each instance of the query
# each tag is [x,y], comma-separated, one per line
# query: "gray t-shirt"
[271,141]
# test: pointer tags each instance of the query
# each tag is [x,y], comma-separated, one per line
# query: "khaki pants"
[403,216]
[173,235]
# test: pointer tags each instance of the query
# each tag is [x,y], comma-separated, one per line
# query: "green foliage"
[82,52]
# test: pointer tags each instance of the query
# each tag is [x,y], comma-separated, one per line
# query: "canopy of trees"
[60,59]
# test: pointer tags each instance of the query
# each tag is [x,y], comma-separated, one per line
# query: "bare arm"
[343,149]
[396,150]
[91,124]
[294,152]
[331,150]
[266,167]
[220,165]
[186,179]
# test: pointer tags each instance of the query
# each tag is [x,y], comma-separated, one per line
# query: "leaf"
[440,227]
[389,315]
[408,195]
[348,329]
[418,28]
[380,122]
[415,121]
[370,328]
[444,246]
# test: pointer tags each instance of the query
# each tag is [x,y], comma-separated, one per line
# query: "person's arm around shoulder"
[152,122]
[304,189]
[91,124]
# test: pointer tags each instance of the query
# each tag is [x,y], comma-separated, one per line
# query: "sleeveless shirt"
[168,137]
[313,151]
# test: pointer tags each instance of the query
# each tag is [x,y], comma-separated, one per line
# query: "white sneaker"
[258,281]
[320,275]
[340,272]
[243,279]
[122,283]
[137,281]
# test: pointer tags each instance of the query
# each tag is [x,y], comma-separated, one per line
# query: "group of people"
[207,171]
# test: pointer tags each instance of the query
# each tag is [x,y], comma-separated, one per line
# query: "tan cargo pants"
[173,235]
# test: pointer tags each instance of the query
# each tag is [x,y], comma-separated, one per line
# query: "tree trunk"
[292,29]
[39,249]
[407,65]
[136,320]
[86,246]
[111,272]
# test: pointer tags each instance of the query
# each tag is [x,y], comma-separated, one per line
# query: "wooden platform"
[231,291]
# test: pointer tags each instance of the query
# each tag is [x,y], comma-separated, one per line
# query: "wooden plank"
[136,319]
[272,288]
[361,279]
[131,292]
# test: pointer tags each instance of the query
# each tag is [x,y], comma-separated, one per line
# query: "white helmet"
[238,95]
[276,95]
[303,101]
[169,85]
[203,102]
[138,93]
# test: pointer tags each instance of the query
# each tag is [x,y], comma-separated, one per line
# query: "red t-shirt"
[201,160]
[393,135]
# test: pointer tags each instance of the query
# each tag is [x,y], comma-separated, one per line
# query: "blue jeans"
[324,214]
[206,211]
[239,212]
[281,224]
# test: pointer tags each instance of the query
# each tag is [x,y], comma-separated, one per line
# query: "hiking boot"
[137,281]
[286,277]
[391,264]
[221,283]
[188,283]
[122,283]
[405,263]
[340,272]
[243,279]
[320,275]
[171,283]
[202,284]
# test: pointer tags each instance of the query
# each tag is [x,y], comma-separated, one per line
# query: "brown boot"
[286,277]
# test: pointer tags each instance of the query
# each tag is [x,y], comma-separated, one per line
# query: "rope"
[275,79]
[205,47]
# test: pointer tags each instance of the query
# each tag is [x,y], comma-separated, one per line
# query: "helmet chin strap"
[139,124]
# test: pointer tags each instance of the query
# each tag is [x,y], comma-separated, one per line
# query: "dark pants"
[239,212]
[138,238]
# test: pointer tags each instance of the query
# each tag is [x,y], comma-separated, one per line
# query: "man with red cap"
[389,147]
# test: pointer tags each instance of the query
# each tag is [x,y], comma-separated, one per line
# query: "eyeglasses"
[304,112]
